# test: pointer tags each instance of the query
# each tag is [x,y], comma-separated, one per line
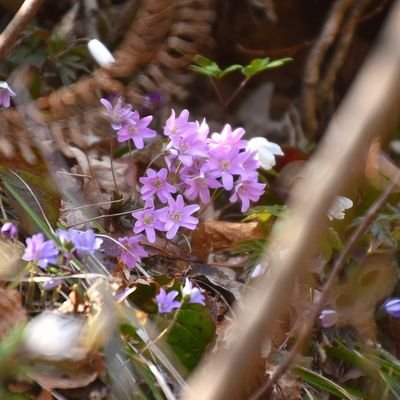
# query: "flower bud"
[100,53]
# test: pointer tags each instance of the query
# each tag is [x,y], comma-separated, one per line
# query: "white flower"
[257,271]
[265,151]
[338,207]
[192,293]
[100,53]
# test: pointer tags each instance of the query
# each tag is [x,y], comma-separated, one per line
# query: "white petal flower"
[100,53]
[338,207]
[266,151]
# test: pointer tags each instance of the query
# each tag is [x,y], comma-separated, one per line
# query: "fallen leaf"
[214,236]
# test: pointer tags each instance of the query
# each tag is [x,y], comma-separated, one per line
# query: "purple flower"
[176,127]
[188,147]
[9,230]
[52,283]
[192,293]
[5,94]
[392,307]
[136,130]
[84,242]
[166,302]
[119,115]
[328,318]
[153,101]
[148,220]
[198,184]
[41,251]
[178,215]
[226,163]
[247,189]
[133,252]
[228,138]
[156,183]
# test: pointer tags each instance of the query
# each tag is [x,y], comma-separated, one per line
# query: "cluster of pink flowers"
[196,163]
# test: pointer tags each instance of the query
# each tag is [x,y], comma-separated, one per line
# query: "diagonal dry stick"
[21,19]
[365,113]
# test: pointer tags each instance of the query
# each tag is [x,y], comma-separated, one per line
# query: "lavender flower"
[392,307]
[119,115]
[148,220]
[176,127]
[52,283]
[246,189]
[265,150]
[41,251]
[166,302]
[192,293]
[5,95]
[156,183]
[133,252]
[9,230]
[178,215]
[228,138]
[199,183]
[328,318]
[83,242]
[226,163]
[136,130]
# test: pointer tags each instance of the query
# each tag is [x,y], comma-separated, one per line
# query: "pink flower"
[148,220]
[177,215]
[228,138]
[136,130]
[156,184]
[225,163]
[119,114]
[247,189]
[133,252]
[176,127]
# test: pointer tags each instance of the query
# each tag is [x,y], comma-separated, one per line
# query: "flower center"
[176,216]
[225,165]
[158,183]
[148,219]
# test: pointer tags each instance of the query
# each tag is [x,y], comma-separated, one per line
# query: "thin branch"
[21,19]
[315,60]
[341,51]
[308,324]
[367,111]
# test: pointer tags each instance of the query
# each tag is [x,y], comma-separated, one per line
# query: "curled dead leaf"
[215,236]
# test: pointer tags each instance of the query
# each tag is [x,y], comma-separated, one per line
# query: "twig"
[21,19]
[308,324]
[366,112]
[315,60]
[342,49]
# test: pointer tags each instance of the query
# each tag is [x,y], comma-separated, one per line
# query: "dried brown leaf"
[214,236]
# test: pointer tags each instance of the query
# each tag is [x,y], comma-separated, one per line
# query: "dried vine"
[157,49]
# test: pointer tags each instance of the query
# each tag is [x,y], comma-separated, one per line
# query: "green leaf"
[191,333]
[209,67]
[206,66]
[264,213]
[232,68]
[325,384]
[261,64]
[331,242]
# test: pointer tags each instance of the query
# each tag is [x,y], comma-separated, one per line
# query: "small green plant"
[210,68]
